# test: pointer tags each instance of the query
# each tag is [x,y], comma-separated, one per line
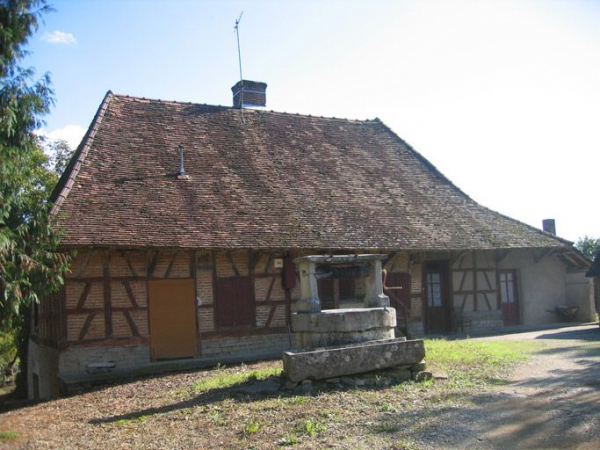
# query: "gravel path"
[551,402]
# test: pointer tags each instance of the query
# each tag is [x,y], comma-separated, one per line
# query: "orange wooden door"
[172,318]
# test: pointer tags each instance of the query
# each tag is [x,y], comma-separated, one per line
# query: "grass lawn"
[205,409]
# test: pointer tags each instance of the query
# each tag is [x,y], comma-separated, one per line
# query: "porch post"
[374,296]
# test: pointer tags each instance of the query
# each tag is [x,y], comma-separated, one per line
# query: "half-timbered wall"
[475,298]
[405,263]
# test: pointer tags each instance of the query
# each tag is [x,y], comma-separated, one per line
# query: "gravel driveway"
[550,402]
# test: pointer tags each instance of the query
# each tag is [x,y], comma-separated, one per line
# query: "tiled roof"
[260,179]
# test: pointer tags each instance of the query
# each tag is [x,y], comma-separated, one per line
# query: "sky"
[503,97]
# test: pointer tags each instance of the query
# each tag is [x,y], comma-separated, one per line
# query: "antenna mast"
[237,32]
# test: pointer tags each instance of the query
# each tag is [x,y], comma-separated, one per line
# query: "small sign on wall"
[278,263]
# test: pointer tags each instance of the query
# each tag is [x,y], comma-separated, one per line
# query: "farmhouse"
[186,220]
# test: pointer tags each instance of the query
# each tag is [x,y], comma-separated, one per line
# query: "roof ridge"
[252,111]
[65,183]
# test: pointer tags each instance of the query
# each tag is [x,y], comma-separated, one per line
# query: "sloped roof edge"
[445,179]
[65,183]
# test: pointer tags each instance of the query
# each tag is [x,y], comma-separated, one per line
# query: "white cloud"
[71,133]
[59,37]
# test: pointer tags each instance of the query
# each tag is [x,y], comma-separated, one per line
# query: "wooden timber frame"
[104,302]
[105,298]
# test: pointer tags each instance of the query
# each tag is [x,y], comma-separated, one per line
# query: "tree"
[30,265]
[60,154]
[589,246]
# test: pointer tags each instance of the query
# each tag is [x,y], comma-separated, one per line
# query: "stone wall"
[42,378]
[82,359]
[251,345]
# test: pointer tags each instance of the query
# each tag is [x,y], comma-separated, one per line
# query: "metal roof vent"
[181,175]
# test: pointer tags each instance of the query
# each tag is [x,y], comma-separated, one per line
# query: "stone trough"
[336,343]
[352,359]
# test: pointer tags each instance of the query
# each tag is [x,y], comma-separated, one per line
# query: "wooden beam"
[86,326]
[487,301]
[462,280]
[131,323]
[501,254]
[131,268]
[271,315]
[232,262]
[270,289]
[542,255]
[107,297]
[487,279]
[81,270]
[84,295]
[170,266]
[456,257]
[389,258]
[153,264]
[130,294]
[464,302]
[268,264]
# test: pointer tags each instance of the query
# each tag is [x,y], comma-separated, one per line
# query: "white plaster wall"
[541,285]
[579,292]
[43,361]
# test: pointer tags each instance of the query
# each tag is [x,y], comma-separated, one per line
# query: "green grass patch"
[310,427]
[8,435]
[223,378]
[405,444]
[472,363]
[136,420]
[252,426]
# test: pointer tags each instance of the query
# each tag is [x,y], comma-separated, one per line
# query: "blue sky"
[502,96]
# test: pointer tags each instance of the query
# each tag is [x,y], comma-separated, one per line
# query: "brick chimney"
[249,93]
[549,226]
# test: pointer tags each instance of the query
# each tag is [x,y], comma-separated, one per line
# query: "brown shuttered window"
[235,301]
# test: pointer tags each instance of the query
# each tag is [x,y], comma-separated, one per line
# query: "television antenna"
[237,33]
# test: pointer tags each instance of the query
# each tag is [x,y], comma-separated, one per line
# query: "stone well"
[315,328]
[342,342]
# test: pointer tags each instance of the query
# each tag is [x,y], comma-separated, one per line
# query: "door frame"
[516,295]
[443,268]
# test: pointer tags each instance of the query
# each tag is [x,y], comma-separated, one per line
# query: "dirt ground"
[550,402]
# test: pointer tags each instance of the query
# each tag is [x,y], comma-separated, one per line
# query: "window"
[434,289]
[235,301]
[507,287]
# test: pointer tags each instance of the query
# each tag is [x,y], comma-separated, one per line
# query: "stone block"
[422,376]
[343,326]
[419,367]
[352,359]
[345,320]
